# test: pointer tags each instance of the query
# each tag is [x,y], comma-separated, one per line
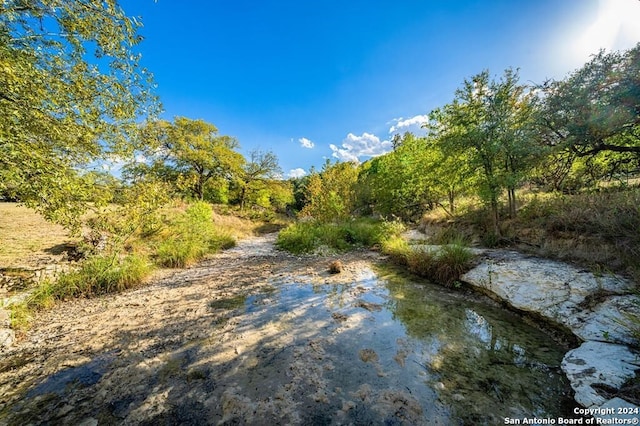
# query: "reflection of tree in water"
[485,363]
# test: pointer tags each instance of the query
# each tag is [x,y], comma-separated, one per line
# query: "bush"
[191,237]
[305,237]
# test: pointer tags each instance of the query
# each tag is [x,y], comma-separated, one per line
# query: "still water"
[394,350]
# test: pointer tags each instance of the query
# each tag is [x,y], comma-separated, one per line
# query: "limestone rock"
[591,306]
[598,362]
[7,337]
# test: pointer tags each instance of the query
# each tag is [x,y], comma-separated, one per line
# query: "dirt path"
[181,350]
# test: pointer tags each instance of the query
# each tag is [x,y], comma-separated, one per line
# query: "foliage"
[138,214]
[97,275]
[442,264]
[595,108]
[490,121]
[191,236]
[62,107]
[189,154]
[308,236]
[330,194]
[401,182]
[261,167]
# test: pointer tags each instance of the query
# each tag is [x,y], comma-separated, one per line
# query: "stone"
[577,299]
[7,337]
[336,267]
[598,362]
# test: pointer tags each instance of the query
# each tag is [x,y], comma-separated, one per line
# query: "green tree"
[597,107]
[190,154]
[400,183]
[71,91]
[261,167]
[331,193]
[489,122]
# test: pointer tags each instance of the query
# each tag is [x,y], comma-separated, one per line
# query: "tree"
[190,154]
[260,167]
[331,193]
[71,91]
[401,182]
[489,121]
[597,107]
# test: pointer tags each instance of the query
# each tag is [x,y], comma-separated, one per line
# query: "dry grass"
[599,230]
[26,239]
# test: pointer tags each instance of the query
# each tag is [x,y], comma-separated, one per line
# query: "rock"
[606,321]
[5,318]
[336,267]
[598,362]
[90,421]
[7,337]
[577,299]
[618,407]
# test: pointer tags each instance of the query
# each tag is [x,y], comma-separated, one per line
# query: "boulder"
[592,307]
[598,363]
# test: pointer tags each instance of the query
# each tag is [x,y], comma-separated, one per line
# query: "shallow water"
[279,341]
[393,350]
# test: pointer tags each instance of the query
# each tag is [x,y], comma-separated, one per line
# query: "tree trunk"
[512,202]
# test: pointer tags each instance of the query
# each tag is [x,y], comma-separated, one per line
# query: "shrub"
[191,236]
[305,237]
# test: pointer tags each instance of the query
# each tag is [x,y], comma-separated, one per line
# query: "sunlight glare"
[616,27]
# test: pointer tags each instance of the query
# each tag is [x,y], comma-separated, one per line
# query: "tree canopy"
[71,91]
[597,107]
[189,153]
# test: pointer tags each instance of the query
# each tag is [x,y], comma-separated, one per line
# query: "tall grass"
[443,264]
[191,236]
[306,237]
[96,275]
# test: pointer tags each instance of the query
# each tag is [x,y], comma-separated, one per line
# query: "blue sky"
[311,80]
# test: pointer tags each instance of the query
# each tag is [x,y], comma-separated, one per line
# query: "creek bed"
[275,339]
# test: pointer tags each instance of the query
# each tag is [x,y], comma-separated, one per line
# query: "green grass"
[443,265]
[191,236]
[97,275]
[306,237]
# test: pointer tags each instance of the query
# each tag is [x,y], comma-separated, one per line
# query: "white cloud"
[414,122]
[297,173]
[306,143]
[353,147]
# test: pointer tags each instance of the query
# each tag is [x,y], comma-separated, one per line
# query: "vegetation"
[61,106]
[444,264]
[191,236]
[569,149]
[309,236]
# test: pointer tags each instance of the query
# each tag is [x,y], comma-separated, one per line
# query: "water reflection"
[486,363]
[432,355]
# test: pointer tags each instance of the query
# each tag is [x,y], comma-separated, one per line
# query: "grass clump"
[306,237]
[190,237]
[96,275]
[442,264]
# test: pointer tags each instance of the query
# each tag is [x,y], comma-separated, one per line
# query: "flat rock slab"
[592,307]
[598,363]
